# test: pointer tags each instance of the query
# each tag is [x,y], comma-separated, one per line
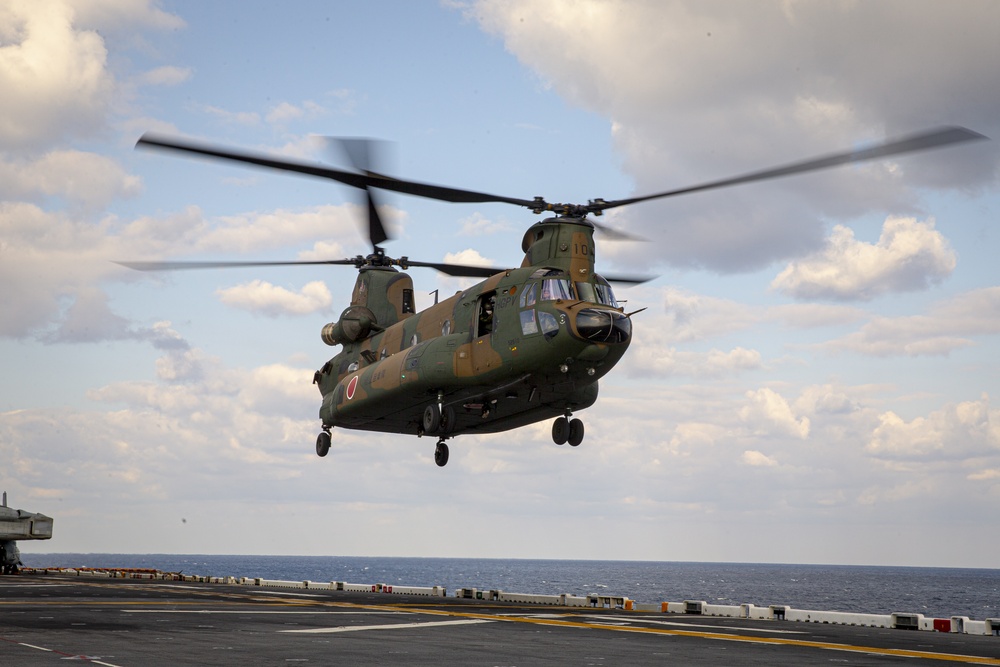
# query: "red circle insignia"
[351,386]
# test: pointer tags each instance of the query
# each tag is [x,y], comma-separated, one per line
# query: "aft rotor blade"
[468,271]
[182,265]
[458,270]
[367,180]
[921,141]
[627,280]
[614,234]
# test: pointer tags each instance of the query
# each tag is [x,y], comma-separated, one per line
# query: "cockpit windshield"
[555,287]
[605,294]
[597,292]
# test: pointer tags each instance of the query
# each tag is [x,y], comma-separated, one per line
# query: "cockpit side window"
[529,295]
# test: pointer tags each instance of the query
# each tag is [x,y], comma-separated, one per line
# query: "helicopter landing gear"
[323,443]
[441,454]
[437,420]
[567,430]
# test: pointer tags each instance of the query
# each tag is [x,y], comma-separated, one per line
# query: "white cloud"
[692,317]
[651,358]
[167,75]
[247,118]
[54,66]
[757,459]
[815,315]
[468,256]
[694,95]
[957,431]
[948,325]
[53,76]
[124,15]
[49,257]
[769,411]
[267,299]
[286,112]
[257,231]
[86,179]
[909,256]
[479,225]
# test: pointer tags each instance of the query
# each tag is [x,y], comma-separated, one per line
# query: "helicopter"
[523,345]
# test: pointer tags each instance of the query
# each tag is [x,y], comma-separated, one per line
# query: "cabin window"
[528,324]
[555,289]
[548,323]
[353,366]
[487,306]
[529,295]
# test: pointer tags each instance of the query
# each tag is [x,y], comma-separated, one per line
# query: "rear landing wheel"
[575,432]
[323,443]
[441,454]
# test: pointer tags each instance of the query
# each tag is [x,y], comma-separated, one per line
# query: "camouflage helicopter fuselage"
[522,346]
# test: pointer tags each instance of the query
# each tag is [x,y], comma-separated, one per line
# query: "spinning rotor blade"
[367,180]
[921,141]
[628,280]
[457,270]
[469,271]
[359,153]
[180,265]
[937,138]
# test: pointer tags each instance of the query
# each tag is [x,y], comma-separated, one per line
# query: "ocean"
[937,592]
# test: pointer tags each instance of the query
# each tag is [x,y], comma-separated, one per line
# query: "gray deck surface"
[52,619]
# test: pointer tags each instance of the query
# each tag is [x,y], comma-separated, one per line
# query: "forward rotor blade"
[368,180]
[182,265]
[921,141]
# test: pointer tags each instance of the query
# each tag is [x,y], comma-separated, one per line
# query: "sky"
[812,379]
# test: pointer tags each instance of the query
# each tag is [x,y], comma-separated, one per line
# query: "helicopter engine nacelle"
[356,323]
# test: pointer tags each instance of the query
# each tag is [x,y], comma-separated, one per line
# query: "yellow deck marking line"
[804,643]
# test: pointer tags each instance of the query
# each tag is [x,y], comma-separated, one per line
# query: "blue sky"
[815,370]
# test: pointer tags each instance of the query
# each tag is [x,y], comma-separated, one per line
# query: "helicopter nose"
[603,326]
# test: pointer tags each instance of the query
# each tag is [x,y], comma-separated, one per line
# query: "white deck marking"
[40,648]
[394,626]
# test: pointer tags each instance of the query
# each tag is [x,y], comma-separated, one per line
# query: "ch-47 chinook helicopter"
[524,345]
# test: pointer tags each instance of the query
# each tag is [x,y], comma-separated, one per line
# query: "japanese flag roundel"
[351,386]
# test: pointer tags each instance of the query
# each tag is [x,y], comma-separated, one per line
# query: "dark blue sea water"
[932,591]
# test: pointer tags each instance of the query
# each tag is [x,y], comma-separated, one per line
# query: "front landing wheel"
[441,454]
[323,443]
[560,431]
